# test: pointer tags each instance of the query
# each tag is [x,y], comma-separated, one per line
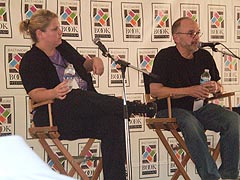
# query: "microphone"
[100,45]
[208,44]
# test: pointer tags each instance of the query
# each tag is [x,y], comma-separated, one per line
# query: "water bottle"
[69,74]
[205,76]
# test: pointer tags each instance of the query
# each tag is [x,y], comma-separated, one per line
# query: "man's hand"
[199,92]
[212,86]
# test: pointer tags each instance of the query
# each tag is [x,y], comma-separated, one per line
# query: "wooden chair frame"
[51,132]
[170,124]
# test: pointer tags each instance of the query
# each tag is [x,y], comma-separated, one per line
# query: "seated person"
[179,69]
[81,112]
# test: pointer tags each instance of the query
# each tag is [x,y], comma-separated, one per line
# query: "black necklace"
[60,65]
[54,58]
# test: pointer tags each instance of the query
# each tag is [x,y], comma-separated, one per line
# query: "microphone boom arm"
[127,64]
[123,63]
[226,53]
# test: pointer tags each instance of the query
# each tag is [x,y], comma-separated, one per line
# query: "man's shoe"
[148,110]
[151,109]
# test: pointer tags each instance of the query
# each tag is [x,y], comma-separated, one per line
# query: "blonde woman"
[78,113]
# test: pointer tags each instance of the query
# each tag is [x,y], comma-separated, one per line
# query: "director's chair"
[159,125]
[51,132]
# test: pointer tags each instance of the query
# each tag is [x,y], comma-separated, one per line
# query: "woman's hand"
[98,67]
[61,90]
[58,92]
[95,64]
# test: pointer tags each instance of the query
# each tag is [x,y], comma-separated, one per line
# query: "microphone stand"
[123,65]
[225,53]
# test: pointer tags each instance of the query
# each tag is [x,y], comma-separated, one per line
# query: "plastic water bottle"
[205,76]
[69,74]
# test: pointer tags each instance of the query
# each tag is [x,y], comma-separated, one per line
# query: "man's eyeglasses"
[192,34]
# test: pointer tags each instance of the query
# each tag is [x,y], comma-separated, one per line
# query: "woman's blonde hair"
[39,20]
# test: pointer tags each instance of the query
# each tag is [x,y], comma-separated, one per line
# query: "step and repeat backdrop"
[133,31]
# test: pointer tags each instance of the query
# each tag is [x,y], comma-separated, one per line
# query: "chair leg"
[180,140]
[70,159]
[97,170]
[216,151]
[215,154]
[186,157]
[184,163]
[83,153]
[171,153]
[53,156]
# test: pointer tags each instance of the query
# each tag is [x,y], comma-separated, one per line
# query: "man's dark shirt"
[176,72]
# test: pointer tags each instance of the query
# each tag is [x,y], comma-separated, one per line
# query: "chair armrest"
[164,96]
[38,104]
[221,95]
[149,98]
